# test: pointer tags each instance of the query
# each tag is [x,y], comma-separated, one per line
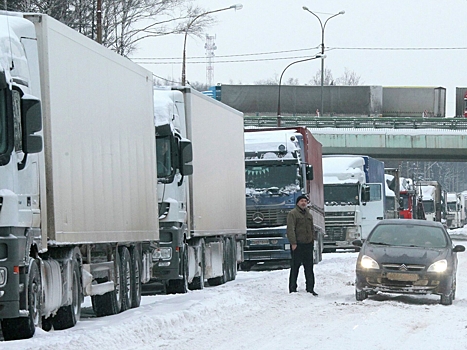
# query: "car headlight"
[368,263]
[164,253]
[439,266]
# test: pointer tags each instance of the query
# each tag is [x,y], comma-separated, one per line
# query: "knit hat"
[302,196]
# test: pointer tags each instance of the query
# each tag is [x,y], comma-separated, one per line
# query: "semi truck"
[354,198]
[408,200]
[461,102]
[433,198]
[454,210]
[392,193]
[280,165]
[78,179]
[201,186]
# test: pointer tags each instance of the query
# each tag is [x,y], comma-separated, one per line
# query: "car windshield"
[408,236]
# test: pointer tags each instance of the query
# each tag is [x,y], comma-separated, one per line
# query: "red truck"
[280,165]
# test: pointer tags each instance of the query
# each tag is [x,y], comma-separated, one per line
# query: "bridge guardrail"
[358,122]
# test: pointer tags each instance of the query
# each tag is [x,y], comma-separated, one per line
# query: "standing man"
[300,233]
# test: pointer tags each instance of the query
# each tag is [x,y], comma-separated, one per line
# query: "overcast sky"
[359,40]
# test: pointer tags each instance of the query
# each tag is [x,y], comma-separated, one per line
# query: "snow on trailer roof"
[387,179]
[343,169]
[428,192]
[268,142]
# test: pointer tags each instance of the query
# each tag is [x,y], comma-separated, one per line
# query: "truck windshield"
[3,117]
[452,206]
[341,194]
[164,160]
[267,176]
[429,206]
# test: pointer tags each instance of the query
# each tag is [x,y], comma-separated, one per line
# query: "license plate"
[260,242]
[402,277]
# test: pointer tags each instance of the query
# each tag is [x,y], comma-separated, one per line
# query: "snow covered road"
[257,312]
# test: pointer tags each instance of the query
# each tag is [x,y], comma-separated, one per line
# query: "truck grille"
[335,234]
[339,219]
[266,218]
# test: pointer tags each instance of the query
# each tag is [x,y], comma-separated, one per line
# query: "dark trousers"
[302,255]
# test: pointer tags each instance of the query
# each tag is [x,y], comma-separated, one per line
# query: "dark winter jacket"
[300,227]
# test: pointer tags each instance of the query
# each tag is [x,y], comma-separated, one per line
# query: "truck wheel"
[228,260]
[126,277]
[234,259]
[180,285]
[24,327]
[198,281]
[136,277]
[446,299]
[216,281]
[110,302]
[68,315]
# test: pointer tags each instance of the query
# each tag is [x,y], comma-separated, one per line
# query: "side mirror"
[31,118]
[357,243]
[186,156]
[309,172]
[458,249]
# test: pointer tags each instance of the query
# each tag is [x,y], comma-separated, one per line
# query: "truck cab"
[280,165]
[354,195]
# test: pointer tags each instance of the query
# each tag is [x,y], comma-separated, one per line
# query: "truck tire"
[126,277]
[24,327]
[136,277]
[180,285]
[109,303]
[198,281]
[234,259]
[216,281]
[68,315]
[228,260]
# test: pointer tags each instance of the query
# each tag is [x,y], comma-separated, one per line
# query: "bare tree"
[328,79]
[124,22]
[349,78]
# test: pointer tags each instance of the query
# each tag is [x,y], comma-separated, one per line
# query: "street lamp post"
[280,81]
[323,26]
[233,7]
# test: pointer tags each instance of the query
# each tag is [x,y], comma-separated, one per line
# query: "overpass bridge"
[423,139]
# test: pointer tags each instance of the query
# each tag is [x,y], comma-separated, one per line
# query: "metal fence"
[357,122]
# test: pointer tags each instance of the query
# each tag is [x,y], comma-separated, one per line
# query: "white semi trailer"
[78,180]
[201,186]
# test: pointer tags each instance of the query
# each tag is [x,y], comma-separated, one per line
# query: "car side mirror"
[458,249]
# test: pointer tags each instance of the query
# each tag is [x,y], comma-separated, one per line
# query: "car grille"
[266,218]
[403,267]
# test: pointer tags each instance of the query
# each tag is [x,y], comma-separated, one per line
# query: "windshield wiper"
[379,243]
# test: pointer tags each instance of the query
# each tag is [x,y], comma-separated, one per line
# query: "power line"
[157,60]
[224,56]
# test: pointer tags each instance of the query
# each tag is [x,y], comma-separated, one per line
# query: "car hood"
[406,255]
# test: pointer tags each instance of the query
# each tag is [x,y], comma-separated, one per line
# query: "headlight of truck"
[352,232]
[368,263]
[162,253]
[439,266]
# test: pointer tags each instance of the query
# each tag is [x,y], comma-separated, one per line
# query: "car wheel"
[360,295]
[447,299]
